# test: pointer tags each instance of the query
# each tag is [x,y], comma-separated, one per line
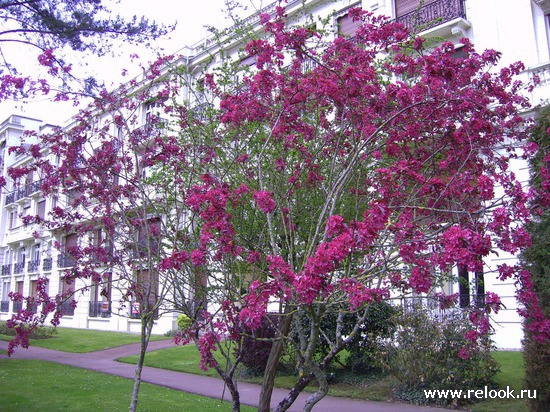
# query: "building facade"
[519,29]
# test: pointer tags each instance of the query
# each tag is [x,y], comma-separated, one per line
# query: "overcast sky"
[191,17]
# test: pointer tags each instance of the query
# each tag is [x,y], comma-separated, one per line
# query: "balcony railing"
[433,14]
[17,306]
[47,264]
[67,309]
[6,270]
[100,310]
[34,265]
[18,268]
[65,261]
[5,306]
[410,304]
[24,191]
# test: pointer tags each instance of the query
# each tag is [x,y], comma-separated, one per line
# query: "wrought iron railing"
[18,268]
[5,306]
[67,309]
[65,261]
[17,306]
[47,264]
[34,265]
[433,304]
[6,269]
[433,14]
[100,310]
[24,191]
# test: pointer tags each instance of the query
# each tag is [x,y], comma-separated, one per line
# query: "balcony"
[433,14]
[100,310]
[47,264]
[18,268]
[6,270]
[34,266]
[65,261]
[23,192]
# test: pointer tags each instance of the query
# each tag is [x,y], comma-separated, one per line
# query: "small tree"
[106,175]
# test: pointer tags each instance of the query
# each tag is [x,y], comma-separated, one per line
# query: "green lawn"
[44,386]
[512,374]
[85,340]
[186,359]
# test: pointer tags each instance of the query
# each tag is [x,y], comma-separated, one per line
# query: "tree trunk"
[146,328]
[319,393]
[235,397]
[271,367]
[294,392]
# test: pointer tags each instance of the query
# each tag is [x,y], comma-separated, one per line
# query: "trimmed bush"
[424,355]
[184,322]
[41,332]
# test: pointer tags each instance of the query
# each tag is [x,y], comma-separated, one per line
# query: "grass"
[512,372]
[187,359]
[85,340]
[82,390]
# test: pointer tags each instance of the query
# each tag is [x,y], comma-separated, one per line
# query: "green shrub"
[184,322]
[537,372]
[40,332]
[424,355]
[256,345]
[366,351]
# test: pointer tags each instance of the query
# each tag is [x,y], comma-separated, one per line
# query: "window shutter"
[403,7]
[346,25]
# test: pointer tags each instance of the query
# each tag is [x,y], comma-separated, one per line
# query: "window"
[403,7]
[13,219]
[100,297]
[6,267]
[34,263]
[5,303]
[346,26]
[148,238]
[17,306]
[66,288]
[147,292]
[69,245]
[19,267]
[41,209]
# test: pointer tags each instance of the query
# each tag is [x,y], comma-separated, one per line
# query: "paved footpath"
[104,361]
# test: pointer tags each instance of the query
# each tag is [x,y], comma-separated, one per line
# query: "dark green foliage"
[257,345]
[41,332]
[79,24]
[425,355]
[367,347]
[537,260]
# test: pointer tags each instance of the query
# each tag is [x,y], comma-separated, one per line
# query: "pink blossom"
[264,201]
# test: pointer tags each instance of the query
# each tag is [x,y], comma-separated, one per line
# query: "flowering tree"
[337,174]
[119,224]
[349,170]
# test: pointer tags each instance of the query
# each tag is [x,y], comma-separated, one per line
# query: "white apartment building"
[520,29]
